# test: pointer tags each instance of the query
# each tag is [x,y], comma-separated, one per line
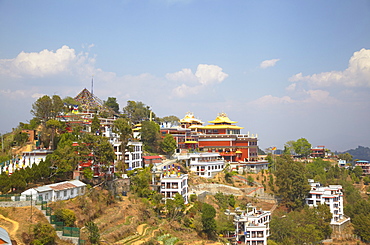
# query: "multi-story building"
[252,227]
[206,164]
[133,156]
[332,196]
[318,151]
[168,180]
[224,137]
[365,166]
[174,182]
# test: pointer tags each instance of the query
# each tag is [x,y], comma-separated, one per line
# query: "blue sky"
[282,69]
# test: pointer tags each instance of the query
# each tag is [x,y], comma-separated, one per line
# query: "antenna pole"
[92,84]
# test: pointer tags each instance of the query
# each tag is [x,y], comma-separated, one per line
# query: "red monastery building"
[224,136]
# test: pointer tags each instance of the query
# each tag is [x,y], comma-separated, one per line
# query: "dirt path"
[13,231]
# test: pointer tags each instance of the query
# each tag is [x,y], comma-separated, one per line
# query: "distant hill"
[361,153]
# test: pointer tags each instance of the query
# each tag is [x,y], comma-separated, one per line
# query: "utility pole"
[2,142]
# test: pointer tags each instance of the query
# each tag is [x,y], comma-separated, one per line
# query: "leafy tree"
[113,104]
[94,235]
[46,108]
[57,106]
[54,125]
[17,182]
[168,145]
[208,219]
[123,128]
[357,171]
[44,234]
[67,216]
[289,148]
[140,183]
[42,108]
[5,183]
[175,207]
[95,125]
[291,181]
[137,111]
[250,180]
[302,147]
[150,135]
[346,156]
[20,138]
[224,223]
[309,225]
[173,120]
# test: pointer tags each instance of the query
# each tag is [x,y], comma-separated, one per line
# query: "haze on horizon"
[282,69]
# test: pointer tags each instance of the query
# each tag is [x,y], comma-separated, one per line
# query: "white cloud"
[320,96]
[210,74]
[356,75]
[291,87]
[45,63]
[268,63]
[269,100]
[205,76]
[185,75]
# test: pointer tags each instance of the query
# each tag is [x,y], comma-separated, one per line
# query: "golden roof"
[220,126]
[222,118]
[189,118]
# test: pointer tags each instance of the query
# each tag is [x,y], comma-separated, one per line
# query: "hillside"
[361,153]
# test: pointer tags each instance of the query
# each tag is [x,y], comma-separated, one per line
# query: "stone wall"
[17,204]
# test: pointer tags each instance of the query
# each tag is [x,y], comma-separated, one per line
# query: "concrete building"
[251,227]
[365,166]
[55,192]
[332,196]
[205,164]
[168,180]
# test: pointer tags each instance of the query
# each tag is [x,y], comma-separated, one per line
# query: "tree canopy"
[291,181]
[113,104]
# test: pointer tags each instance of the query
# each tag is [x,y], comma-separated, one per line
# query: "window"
[71,192]
[65,193]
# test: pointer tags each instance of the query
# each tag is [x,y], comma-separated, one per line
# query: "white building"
[332,196]
[168,180]
[55,192]
[252,227]
[133,156]
[206,164]
[172,183]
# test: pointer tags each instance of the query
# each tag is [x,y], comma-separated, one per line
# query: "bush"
[67,216]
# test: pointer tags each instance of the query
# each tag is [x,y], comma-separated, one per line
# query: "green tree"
[168,145]
[140,183]
[94,235]
[20,138]
[173,120]
[289,148]
[57,106]
[208,219]
[224,224]
[150,136]
[113,104]
[137,112]
[53,125]
[67,216]
[302,147]
[250,180]
[291,181]
[46,108]
[95,125]
[175,207]
[44,234]
[123,128]
[346,156]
